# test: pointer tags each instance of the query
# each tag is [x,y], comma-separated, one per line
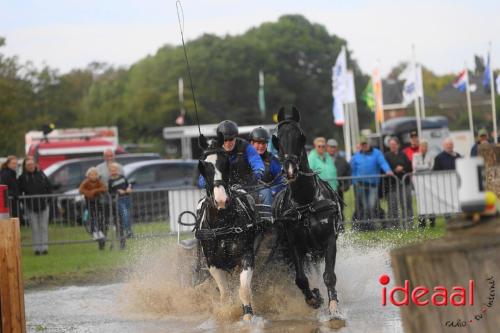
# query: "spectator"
[34,182]
[343,168]
[8,177]
[399,193]
[103,168]
[322,163]
[445,160]
[92,189]
[483,139]
[120,190]
[413,147]
[423,160]
[366,165]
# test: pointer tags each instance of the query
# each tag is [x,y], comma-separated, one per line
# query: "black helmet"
[228,129]
[259,134]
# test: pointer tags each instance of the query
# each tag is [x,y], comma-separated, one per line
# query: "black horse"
[227,225]
[307,214]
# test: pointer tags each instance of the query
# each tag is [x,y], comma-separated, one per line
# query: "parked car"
[149,179]
[162,174]
[67,175]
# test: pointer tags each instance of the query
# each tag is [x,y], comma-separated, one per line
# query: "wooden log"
[11,283]
[462,255]
[491,155]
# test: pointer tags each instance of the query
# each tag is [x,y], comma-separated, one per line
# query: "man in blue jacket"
[246,166]
[366,166]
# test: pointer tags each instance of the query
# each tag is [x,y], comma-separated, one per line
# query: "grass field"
[83,263]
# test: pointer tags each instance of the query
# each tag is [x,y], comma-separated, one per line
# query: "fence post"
[11,283]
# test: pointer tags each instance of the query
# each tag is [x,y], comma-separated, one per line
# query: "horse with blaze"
[226,226]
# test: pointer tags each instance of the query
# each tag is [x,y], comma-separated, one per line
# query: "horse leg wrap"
[332,295]
[247,309]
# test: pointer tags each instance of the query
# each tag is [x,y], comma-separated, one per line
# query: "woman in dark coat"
[8,177]
[33,182]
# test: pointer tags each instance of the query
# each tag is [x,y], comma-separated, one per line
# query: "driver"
[246,166]
[272,172]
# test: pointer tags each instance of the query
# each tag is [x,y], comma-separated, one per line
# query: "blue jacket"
[368,164]
[250,155]
[272,173]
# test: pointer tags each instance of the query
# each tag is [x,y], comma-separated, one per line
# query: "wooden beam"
[11,280]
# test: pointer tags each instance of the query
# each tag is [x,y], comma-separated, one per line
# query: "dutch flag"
[460,81]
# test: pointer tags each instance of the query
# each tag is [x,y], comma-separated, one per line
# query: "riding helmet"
[259,134]
[228,129]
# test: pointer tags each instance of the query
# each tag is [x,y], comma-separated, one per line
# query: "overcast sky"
[66,34]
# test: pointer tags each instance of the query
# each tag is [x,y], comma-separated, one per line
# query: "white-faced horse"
[226,228]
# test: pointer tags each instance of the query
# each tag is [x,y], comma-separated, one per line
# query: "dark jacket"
[343,170]
[445,161]
[8,177]
[399,158]
[115,184]
[35,183]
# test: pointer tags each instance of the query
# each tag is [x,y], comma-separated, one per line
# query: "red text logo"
[422,295]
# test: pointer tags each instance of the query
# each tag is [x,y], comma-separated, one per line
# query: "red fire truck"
[64,144]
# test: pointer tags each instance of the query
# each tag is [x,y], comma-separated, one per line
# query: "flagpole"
[347,132]
[417,100]
[469,107]
[492,90]
[422,90]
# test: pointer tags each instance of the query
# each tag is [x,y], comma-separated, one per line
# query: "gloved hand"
[258,176]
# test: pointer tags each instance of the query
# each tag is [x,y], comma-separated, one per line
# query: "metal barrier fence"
[70,218]
[371,202]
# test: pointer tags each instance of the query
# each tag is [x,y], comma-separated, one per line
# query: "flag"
[377,91]
[368,97]
[339,86]
[413,83]
[498,84]
[460,81]
[262,100]
[486,77]
[181,117]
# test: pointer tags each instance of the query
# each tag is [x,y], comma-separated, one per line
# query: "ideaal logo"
[458,296]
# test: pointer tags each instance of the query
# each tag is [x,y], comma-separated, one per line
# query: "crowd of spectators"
[375,175]
[105,178]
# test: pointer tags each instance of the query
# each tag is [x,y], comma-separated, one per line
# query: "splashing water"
[156,299]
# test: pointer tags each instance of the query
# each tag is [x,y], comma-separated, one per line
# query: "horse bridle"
[292,157]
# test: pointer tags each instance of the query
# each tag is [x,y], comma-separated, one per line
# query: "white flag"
[339,86]
[350,93]
[498,84]
[413,86]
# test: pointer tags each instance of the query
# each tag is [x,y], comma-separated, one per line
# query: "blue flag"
[486,76]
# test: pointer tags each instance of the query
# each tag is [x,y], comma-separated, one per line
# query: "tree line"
[295,54]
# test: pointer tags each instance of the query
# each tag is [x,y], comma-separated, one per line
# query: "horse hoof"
[315,301]
[247,317]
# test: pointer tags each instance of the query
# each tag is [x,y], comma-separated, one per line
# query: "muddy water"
[154,300]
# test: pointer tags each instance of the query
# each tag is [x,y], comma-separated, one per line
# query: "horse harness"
[240,208]
[301,213]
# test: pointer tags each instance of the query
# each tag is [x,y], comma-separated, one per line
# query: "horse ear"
[202,142]
[276,142]
[281,114]
[295,114]
[220,139]
[201,168]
